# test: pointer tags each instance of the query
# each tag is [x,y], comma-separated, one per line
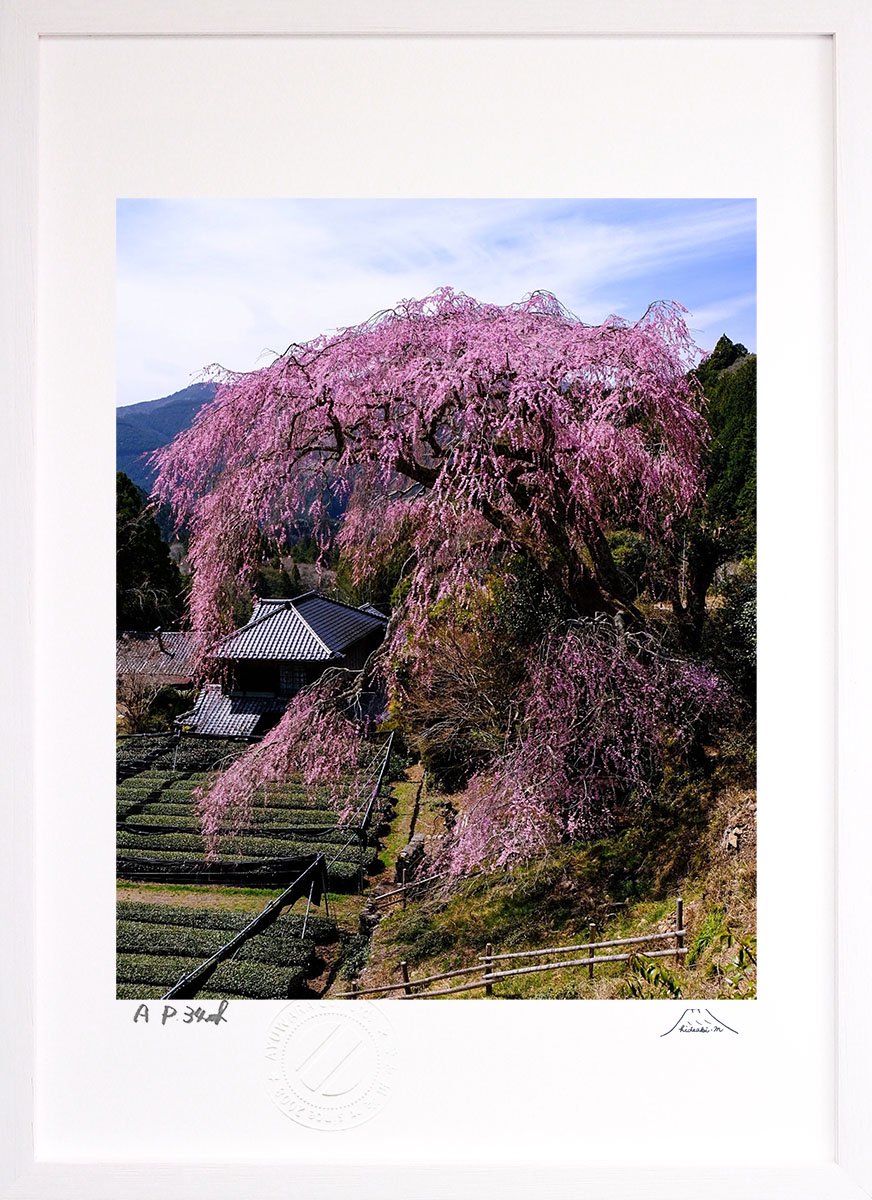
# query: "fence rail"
[487,976]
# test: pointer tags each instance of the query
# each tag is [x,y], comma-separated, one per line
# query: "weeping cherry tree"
[468,432]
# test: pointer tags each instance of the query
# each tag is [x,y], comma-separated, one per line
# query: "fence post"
[592,952]
[488,967]
[679,928]
[354,991]
[403,882]
[404,967]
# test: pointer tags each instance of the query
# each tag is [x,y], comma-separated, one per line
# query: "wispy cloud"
[235,281]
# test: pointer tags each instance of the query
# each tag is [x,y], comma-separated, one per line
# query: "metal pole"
[679,928]
[306,915]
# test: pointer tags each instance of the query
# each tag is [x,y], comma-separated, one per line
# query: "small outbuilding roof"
[218,715]
[165,655]
[307,628]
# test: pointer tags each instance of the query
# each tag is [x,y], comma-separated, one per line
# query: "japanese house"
[286,645]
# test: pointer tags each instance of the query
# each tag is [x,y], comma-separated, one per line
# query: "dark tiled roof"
[309,628]
[339,625]
[229,716]
[169,657]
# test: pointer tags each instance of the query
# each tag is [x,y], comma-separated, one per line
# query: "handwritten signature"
[699,1020]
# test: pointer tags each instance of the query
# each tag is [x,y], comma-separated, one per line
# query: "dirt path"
[229,899]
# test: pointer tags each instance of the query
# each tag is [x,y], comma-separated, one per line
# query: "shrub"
[137,991]
[255,981]
[140,937]
[286,949]
[190,846]
[163,914]
[355,955]
[317,927]
[160,970]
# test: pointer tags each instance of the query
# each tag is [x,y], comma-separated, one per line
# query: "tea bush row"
[134,937]
[318,927]
[249,845]
[252,981]
[138,991]
[185,818]
[175,865]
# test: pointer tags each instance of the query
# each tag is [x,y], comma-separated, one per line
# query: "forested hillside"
[142,428]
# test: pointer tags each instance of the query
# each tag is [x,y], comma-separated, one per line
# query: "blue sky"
[235,281]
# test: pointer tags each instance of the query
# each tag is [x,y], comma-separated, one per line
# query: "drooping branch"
[519,420]
[465,433]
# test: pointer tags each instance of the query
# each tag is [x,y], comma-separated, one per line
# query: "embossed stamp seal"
[330,1065]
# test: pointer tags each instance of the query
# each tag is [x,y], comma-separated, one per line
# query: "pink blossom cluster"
[465,431]
[313,744]
[457,425]
[599,710]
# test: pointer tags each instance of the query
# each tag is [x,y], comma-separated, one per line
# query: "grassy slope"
[677,849]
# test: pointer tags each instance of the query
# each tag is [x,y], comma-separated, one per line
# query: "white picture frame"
[849,25]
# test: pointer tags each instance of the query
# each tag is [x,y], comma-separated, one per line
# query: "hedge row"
[276,944]
[156,788]
[194,918]
[138,991]
[185,817]
[164,750]
[318,927]
[154,954]
[123,807]
[136,824]
[162,970]
[163,776]
[176,867]
[138,748]
[247,845]
[200,756]
[134,937]
[286,814]
[252,981]
[290,796]
[140,795]
[186,947]
[279,944]
[350,854]
[279,844]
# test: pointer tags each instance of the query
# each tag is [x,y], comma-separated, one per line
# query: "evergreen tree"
[724,526]
[148,584]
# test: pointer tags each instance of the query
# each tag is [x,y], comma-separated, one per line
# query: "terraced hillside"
[159,844]
[144,752]
[158,834]
[158,945]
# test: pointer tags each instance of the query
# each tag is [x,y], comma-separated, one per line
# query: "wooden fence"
[489,969]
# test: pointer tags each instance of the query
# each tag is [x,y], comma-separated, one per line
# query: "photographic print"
[436,599]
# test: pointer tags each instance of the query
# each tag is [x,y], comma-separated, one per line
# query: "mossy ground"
[623,885]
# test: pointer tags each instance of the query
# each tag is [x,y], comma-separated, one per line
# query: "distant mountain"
[141,428]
